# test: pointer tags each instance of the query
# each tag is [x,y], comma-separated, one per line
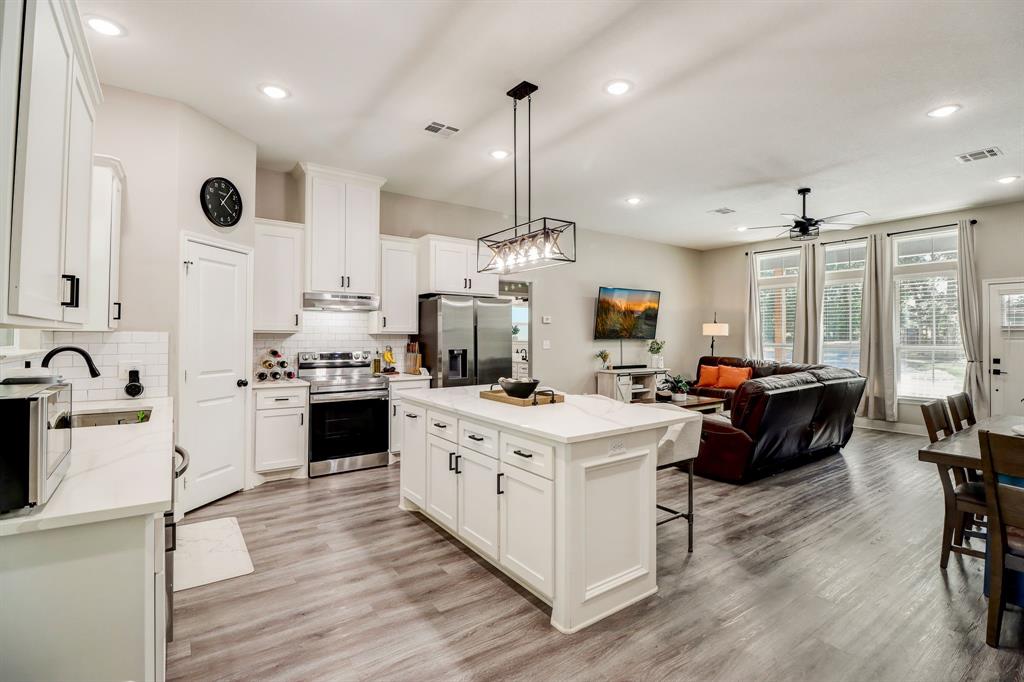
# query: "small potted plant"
[679,387]
[515,332]
[655,349]
[603,356]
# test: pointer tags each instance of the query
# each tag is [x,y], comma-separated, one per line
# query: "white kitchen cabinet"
[48,241]
[449,266]
[527,522]
[442,482]
[281,437]
[342,215]
[478,500]
[395,433]
[399,304]
[277,280]
[414,457]
[108,178]
[395,389]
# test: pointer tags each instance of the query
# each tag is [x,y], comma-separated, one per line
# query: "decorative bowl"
[518,388]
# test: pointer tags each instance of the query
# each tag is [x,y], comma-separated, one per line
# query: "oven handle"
[344,397]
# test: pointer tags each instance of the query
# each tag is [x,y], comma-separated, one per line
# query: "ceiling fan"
[805,228]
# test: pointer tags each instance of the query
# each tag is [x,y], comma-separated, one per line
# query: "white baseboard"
[893,427]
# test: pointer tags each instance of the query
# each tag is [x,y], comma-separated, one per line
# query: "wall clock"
[221,202]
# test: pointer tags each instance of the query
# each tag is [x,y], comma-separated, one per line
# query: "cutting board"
[500,396]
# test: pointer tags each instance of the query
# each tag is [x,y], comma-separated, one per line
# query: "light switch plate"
[124,367]
[546,344]
[545,319]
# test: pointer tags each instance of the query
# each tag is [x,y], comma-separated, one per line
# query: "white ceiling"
[735,104]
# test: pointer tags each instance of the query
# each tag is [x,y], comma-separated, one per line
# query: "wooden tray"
[500,396]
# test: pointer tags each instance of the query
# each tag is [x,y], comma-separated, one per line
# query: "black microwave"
[36,423]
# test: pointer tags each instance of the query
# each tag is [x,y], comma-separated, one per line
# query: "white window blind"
[841,311]
[778,322]
[930,353]
[1011,309]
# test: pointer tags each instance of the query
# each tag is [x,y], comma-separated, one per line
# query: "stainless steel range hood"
[316,300]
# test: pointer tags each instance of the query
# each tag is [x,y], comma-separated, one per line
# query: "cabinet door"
[277,278]
[442,483]
[478,501]
[280,439]
[527,528]
[414,454]
[79,196]
[395,444]
[37,229]
[399,305]
[448,263]
[326,234]
[114,300]
[480,284]
[362,238]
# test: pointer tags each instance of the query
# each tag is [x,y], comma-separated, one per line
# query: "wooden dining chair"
[961,409]
[964,499]
[1002,456]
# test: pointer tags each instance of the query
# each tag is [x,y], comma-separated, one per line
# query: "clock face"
[221,202]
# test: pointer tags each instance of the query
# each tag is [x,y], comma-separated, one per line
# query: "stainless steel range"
[349,417]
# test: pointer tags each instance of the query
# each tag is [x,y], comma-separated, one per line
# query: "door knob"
[242,383]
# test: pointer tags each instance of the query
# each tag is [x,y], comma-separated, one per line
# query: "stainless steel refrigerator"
[464,340]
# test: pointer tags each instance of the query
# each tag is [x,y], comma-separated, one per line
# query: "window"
[776,289]
[7,339]
[1011,312]
[930,359]
[841,304]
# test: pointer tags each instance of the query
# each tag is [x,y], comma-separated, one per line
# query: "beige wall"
[168,150]
[278,196]
[1000,253]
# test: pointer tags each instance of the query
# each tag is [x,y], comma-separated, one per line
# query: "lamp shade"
[716,329]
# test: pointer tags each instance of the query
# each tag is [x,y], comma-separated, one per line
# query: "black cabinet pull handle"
[302,418]
[500,491]
[71,291]
[470,282]
[451,462]
[522,454]
[440,425]
[296,319]
[457,469]
[472,437]
[410,416]
[117,315]
[394,410]
[385,321]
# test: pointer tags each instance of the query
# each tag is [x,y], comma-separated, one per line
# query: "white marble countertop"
[394,378]
[115,472]
[280,383]
[579,418]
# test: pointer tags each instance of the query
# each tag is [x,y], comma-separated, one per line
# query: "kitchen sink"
[81,419]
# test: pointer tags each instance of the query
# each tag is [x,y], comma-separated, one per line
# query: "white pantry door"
[1006,348]
[215,390]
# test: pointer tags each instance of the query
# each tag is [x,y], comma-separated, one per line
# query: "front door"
[1006,348]
[215,392]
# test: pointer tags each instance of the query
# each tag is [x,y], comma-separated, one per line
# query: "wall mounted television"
[626,313]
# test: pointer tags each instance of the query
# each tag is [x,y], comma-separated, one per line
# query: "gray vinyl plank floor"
[826,572]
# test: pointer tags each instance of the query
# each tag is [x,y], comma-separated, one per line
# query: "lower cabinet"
[527,521]
[442,482]
[413,471]
[478,501]
[281,437]
[395,433]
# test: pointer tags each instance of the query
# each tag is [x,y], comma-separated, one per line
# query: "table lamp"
[714,329]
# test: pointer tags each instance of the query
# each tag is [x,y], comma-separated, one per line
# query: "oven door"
[348,431]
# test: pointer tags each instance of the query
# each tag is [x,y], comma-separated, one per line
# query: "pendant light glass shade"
[540,243]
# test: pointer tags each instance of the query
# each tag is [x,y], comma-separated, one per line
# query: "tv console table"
[630,385]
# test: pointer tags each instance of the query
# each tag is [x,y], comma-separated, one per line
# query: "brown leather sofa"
[785,415]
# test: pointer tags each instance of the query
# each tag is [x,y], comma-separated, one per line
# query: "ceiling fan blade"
[852,214]
[769,227]
[784,232]
[790,215]
[836,226]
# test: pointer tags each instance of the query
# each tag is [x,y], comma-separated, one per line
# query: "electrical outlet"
[546,344]
[124,367]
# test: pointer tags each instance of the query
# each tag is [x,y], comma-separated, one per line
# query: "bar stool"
[678,448]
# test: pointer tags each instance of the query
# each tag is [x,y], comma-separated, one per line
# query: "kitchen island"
[559,497]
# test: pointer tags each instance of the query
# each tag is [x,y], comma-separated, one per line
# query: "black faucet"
[93,372]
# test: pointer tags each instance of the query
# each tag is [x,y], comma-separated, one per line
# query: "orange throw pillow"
[732,377]
[708,376]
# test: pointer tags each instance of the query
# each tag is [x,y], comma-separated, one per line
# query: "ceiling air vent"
[441,129]
[979,155]
[722,211]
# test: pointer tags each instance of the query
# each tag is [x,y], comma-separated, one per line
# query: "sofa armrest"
[724,450]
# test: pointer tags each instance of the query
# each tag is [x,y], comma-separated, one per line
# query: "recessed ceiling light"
[944,111]
[741,228]
[104,26]
[1008,179]
[633,201]
[274,91]
[499,154]
[618,87]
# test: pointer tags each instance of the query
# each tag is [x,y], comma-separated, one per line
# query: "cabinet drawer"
[482,439]
[528,455]
[274,398]
[400,386]
[443,425]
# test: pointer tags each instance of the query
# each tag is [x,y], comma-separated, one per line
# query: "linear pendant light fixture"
[534,244]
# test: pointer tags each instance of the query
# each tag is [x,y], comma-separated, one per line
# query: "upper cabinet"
[104,292]
[49,100]
[399,305]
[449,266]
[277,304]
[342,213]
